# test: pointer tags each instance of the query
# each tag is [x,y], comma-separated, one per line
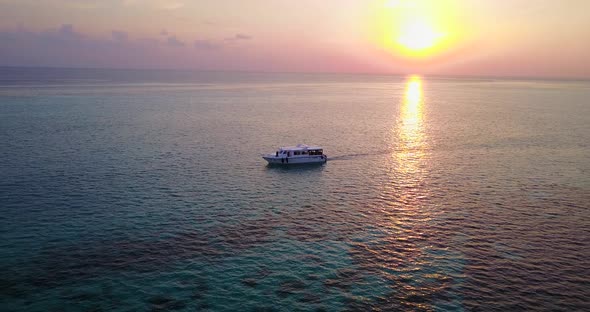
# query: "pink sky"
[535,38]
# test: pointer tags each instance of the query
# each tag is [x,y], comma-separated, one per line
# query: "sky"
[530,38]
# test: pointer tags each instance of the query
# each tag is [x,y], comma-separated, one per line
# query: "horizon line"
[513,77]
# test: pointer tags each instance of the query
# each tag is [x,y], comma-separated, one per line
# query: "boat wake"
[359,155]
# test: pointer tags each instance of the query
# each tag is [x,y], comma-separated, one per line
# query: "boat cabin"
[299,150]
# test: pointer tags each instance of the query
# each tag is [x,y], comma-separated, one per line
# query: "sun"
[415,29]
[418,36]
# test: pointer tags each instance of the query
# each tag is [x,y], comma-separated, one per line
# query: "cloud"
[64,46]
[204,44]
[238,37]
[119,35]
[242,36]
[157,4]
[173,42]
[170,4]
[66,31]
[207,44]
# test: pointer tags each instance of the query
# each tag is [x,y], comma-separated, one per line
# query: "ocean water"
[145,190]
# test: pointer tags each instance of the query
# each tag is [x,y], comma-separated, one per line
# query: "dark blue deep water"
[145,190]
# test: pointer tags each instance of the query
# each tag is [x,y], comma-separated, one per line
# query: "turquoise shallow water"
[145,190]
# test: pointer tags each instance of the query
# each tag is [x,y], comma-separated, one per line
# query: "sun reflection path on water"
[411,138]
[402,247]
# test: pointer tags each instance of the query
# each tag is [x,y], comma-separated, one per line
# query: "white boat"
[300,154]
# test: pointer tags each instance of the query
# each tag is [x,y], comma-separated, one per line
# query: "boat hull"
[294,160]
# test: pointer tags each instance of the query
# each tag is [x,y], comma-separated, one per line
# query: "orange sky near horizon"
[447,37]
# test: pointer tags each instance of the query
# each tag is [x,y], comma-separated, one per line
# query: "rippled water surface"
[136,191]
